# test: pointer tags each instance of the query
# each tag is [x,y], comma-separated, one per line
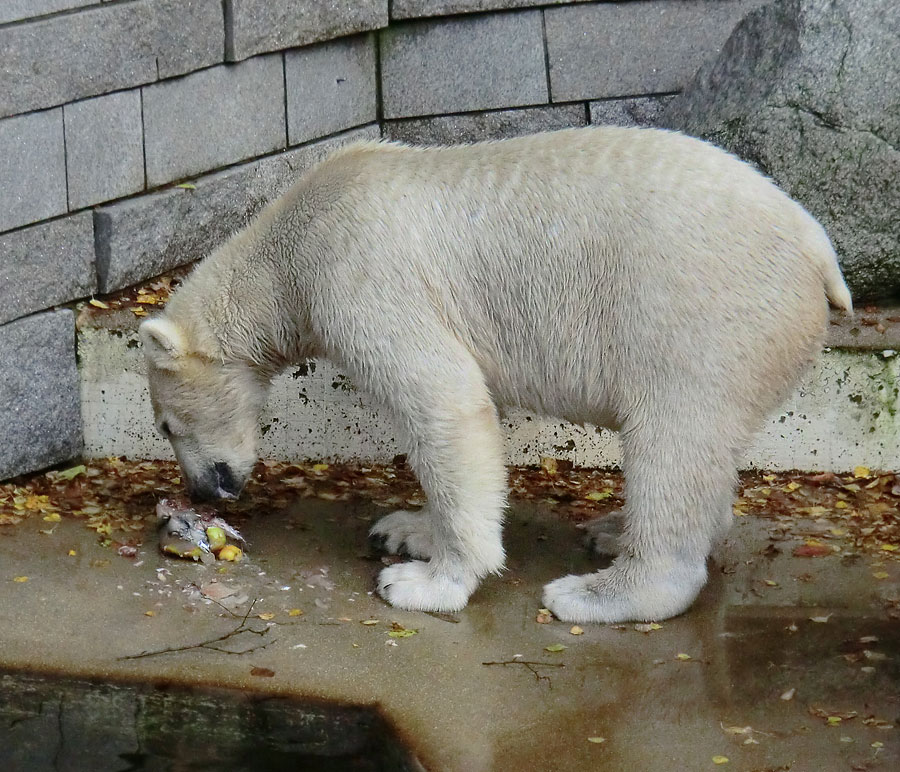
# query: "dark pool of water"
[69,725]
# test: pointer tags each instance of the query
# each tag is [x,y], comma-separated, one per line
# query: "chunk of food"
[195,533]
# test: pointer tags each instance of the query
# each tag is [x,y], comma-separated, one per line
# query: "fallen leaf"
[576,630]
[72,553]
[266,616]
[646,627]
[216,590]
[262,672]
[821,620]
[788,695]
[549,465]
[683,657]
[402,633]
[186,186]
[98,303]
[881,574]
[720,759]
[598,495]
[53,517]
[295,612]
[555,647]
[861,471]
[149,613]
[811,549]
[20,579]
[596,740]
[399,631]
[369,621]
[72,472]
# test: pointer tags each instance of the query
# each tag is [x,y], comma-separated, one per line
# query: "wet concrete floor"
[746,675]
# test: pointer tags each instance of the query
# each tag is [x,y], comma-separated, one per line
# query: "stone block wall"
[136,136]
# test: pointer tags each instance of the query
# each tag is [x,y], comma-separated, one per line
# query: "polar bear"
[636,279]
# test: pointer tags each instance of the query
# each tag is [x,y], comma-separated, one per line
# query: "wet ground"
[790,659]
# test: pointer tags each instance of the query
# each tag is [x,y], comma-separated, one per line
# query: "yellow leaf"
[149,613]
[555,647]
[139,311]
[53,517]
[72,553]
[683,657]
[861,471]
[791,486]
[841,505]
[549,465]
[771,583]
[295,612]
[97,303]
[186,186]
[596,740]
[598,495]
[266,616]
[889,547]
[720,759]
[369,621]
[320,467]
[20,579]
[837,531]
[834,720]
[576,630]
[881,574]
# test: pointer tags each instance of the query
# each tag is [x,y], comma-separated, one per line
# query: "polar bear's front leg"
[461,465]
[437,392]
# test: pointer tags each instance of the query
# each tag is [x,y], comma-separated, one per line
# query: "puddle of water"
[69,725]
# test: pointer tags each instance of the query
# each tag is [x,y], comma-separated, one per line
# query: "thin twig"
[531,667]
[210,644]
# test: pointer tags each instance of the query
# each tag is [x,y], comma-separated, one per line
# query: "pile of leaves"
[140,300]
[117,498]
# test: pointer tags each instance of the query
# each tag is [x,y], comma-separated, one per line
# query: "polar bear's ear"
[163,342]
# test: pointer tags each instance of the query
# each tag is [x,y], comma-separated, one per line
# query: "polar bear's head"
[208,409]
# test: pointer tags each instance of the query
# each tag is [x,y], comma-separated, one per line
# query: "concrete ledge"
[39,393]
[48,263]
[846,413]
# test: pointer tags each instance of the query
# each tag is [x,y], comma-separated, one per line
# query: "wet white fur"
[632,278]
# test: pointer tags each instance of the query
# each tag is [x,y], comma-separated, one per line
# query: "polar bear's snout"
[215,482]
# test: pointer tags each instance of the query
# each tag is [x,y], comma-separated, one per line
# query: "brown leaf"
[262,672]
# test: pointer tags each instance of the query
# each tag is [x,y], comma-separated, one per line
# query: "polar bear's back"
[568,251]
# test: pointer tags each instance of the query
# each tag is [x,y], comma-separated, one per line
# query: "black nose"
[216,483]
[225,481]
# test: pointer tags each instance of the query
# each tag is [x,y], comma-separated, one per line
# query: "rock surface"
[809,91]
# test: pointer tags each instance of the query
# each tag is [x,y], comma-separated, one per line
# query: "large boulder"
[809,91]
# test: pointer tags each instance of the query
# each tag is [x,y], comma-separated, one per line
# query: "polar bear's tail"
[823,254]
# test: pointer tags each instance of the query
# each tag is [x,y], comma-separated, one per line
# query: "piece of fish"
[183,528]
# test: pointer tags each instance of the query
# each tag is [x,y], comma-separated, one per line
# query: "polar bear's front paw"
[604,533]
[406,532]
[628,591]
[415,586]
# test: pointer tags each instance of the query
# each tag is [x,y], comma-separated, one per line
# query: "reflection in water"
[67,725]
